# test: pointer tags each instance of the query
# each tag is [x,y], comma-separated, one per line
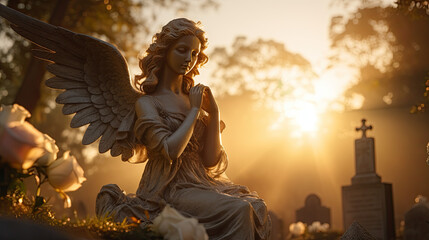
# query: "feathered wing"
[95,78]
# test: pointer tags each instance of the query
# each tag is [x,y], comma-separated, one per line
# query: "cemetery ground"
[19,211]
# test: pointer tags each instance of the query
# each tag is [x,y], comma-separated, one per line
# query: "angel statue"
[160,117]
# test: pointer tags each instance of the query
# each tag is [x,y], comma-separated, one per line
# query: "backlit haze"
[287,146]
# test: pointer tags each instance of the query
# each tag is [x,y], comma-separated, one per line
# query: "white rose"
[21,144]
[13,113]
[50,154]
[65,173]
[324,227]
[297,229]
[317,227]
[174,226]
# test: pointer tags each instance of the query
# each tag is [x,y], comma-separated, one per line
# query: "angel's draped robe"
[227,210]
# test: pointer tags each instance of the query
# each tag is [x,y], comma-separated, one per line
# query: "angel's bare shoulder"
[145,105]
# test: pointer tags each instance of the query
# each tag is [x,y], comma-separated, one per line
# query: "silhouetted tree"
[390,48]
[264,68]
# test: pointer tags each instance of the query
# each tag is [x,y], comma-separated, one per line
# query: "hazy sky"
[302,25]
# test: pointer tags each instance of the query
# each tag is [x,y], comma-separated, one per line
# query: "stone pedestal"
[371,206]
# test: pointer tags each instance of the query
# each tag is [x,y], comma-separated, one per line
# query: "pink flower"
[65,173]
[21,144]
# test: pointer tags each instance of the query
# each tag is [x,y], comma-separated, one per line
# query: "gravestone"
[277,230]
[367,200]
[417,222]
[313,211]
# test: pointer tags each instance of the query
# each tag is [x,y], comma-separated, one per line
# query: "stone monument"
[367,200]
[277,231]
[417,221]
[313,211]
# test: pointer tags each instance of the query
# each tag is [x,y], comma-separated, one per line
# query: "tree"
[418,8]
[390,49]
[265,68]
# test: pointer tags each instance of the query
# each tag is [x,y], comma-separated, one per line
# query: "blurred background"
[292,79]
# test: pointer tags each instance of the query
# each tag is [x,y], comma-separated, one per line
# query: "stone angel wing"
[95,77]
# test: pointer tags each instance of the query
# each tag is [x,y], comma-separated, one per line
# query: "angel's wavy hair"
[154,60]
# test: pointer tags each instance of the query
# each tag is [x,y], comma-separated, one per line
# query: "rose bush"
[65,173]
[174,226]
[26,152]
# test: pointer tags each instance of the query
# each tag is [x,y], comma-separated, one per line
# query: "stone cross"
[364,128]
[365,157]
[367,201]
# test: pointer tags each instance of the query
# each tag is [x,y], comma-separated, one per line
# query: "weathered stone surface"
[365,162]
[417,222]
[313,211]
[277,231]
[372,206]
[357,232]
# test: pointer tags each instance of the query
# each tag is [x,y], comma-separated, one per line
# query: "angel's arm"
[212,145]
[179,139]
[175,144]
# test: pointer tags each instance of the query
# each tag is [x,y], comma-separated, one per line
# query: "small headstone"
[368,201]
[313,211]
[357,232]
[277,230]
[417,222]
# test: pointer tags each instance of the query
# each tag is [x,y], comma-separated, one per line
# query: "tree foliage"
[264,68]
[390,48]
[418,8]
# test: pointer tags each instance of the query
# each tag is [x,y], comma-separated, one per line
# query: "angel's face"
[183,55]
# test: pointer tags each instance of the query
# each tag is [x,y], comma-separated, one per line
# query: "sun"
[300,114]
[303,108]
[306,119]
